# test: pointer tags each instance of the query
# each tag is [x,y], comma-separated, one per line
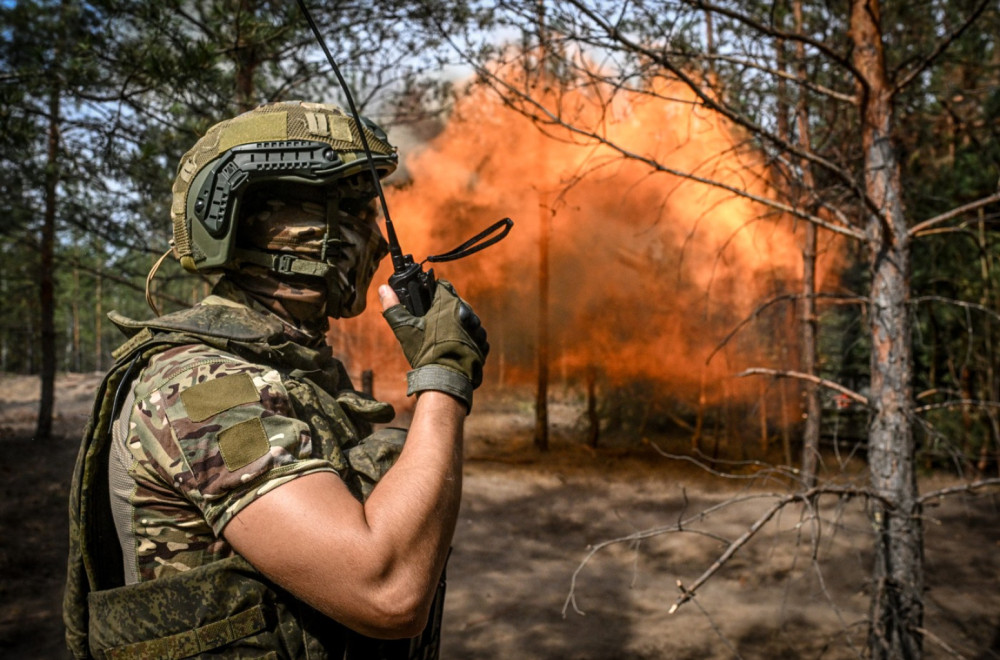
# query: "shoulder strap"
[94,560]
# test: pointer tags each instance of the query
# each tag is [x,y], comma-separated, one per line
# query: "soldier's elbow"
[397,614]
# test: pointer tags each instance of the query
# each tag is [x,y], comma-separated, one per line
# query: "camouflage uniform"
[207,409]
[224,409]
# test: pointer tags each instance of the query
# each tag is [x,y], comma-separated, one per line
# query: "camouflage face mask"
[361,250]
[339,230]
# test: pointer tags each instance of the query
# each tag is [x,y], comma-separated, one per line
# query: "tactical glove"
[446,347]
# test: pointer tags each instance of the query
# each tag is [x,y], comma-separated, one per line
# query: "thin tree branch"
[957,303]
[829,384]
[964,488]
[495,82]
[788,472]
[808,84]
[124,281]
[687,593]
[708,101]
[940,642]
[956,403]
[777,299]
[940,48]
[680,526]
[838,58]
[918,228]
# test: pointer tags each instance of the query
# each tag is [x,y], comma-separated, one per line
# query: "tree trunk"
[764,439]
[810,434]
[542,394]
[4,333]
[98,317]
[593,420]
[74,361]
[246,60]
[45,276]
[897,590]
[987,390]
[699,422]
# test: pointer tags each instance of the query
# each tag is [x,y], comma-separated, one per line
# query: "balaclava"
[335,225]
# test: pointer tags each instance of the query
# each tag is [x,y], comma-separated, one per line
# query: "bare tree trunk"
[810,434]
[74,361]
[700,417]
[786,437]
[710,48]
[501,368]
[593,421]
[98,317]
[46,277]
[764,438]
[897,591]
[4,334]
[785,132]
[542,393]
[988,387]
[247,60]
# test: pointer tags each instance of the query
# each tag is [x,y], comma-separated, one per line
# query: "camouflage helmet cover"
[295,141]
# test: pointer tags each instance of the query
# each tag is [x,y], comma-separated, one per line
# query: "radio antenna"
[395,252]
[414,286]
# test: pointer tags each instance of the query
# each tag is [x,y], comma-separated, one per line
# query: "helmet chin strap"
[286,264]
[344,258]
[149,280]
[332,235]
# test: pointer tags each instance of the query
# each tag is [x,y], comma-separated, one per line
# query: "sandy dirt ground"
[799,589]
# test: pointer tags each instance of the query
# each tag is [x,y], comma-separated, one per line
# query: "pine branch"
[829,384]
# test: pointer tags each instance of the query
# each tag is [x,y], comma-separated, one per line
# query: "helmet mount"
[274,145]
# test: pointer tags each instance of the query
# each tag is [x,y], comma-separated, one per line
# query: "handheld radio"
[413,285]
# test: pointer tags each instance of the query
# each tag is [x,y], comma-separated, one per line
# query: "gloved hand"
[446,347]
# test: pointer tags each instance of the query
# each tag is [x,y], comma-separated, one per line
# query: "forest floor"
[528,520]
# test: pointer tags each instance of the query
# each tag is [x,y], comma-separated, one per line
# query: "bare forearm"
[412,511]
[374,567]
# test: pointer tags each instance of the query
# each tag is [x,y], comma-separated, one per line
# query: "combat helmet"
[294,142]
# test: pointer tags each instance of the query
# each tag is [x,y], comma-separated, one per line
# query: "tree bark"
[74,361]
[46,279]
[811,432]
[246,60]
[98,318]
[897,592]
[593,420]
[542,393]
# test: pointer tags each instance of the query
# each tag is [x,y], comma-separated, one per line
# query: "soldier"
[230,498]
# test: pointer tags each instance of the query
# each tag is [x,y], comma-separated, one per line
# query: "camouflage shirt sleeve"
[216,430]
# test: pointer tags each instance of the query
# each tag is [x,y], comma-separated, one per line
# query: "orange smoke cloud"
[649,271]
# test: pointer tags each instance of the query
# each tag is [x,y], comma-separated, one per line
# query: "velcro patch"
[206,399]
[244,443]
[262,127]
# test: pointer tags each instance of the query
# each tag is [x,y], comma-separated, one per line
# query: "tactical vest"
[224,609]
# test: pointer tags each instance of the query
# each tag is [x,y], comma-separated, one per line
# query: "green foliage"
[949,127]
[139,81]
